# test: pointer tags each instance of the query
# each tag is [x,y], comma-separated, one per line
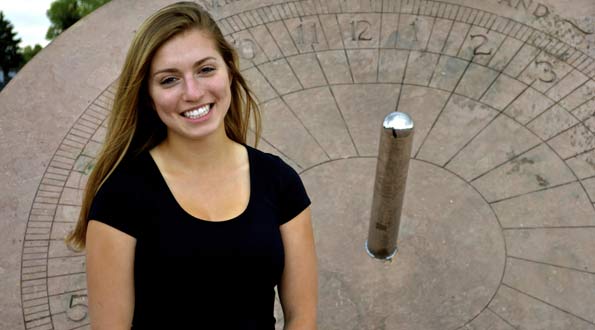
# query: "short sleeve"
[113,205]
[293,196]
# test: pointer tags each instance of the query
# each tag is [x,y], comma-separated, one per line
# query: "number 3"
[548,75]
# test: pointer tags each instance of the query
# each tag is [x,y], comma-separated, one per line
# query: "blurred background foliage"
[62,14]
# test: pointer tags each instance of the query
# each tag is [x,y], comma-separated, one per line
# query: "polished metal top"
[398,121]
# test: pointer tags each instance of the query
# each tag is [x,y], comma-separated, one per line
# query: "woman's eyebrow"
[197,63]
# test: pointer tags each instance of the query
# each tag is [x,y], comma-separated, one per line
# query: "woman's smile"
[201,112]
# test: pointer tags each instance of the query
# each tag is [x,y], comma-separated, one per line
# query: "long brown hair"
[133,125]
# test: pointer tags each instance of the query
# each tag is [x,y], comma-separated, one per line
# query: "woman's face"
[189,85]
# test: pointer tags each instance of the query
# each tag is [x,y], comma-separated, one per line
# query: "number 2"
[484,39]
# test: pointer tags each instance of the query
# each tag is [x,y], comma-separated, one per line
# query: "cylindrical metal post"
[394,152]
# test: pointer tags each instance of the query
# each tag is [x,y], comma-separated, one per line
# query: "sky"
[29,19]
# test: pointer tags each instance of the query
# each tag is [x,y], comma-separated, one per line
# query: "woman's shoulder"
[122,197]
[270,165]
[265,160]
[129,173]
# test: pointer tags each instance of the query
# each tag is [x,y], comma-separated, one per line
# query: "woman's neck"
[210,154]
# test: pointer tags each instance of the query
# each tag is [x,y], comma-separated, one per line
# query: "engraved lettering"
[357,33]
[550,21]
[547,75]
[483,41]
[526,6]
[77,308]
[541,11]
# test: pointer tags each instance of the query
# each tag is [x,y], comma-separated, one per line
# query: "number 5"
[78,303]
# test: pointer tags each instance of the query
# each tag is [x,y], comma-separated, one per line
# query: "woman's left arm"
[298,290]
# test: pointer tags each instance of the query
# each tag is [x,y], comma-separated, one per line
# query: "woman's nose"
[192,89]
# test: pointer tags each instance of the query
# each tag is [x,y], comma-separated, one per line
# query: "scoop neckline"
[191,217]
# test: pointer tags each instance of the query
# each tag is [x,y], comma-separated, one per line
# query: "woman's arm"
[110,277]
[298,290]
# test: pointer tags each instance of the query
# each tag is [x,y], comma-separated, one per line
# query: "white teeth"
[197,113]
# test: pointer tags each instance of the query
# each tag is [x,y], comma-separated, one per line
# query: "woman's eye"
[167,81]
[207,69]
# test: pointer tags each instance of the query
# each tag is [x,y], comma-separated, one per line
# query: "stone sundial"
[498,228]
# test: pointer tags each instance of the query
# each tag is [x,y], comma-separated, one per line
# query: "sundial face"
[498,225]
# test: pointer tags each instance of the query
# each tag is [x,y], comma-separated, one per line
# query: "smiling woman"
[190,85]
[178,205]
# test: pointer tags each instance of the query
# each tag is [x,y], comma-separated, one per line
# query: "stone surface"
[522,311]
[561,287]
[455,236]
[562,206]
[531,171]
[423,105]
[488,320]
[500,207]
[565,247]
[459,122]
[327,123]
[502,140]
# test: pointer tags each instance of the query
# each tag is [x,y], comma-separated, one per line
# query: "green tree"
[64,13]
[28,52]
[11,58]
[87,6]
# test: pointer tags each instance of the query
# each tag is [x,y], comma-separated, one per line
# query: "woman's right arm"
[110,277]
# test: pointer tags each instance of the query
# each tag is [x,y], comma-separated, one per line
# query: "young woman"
[184,225]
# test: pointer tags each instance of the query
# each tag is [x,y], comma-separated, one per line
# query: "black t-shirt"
[196,274]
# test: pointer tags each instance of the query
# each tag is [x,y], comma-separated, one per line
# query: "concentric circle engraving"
[502,110]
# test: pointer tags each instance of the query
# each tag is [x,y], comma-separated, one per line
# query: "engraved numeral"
[483,41]
[77,307]
[414,27]
[302,30]
[246,48]
[211,5]
[357,33]
[214,4]
[547,75]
